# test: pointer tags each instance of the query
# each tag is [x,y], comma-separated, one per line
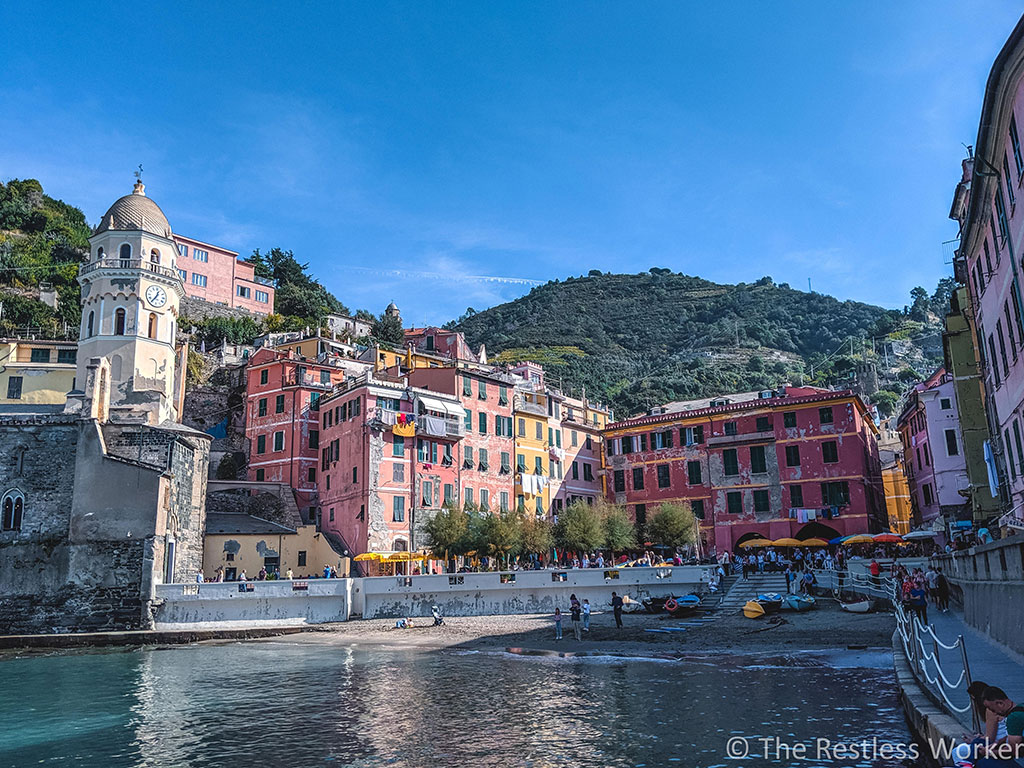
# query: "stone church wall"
[91,547]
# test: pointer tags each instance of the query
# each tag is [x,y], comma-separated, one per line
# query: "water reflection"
[317,704]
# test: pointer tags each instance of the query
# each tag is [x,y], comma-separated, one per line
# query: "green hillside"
[644,339]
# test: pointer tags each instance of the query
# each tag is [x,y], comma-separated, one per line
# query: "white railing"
[915,637]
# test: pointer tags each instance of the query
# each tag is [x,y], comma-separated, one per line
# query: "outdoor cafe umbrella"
[788,543]
[919,535]
[814,543]
[859,538]
[369,556]
[757,543]
[887,538]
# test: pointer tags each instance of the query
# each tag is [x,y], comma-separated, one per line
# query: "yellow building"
[239,542]
[36,372]
[533,476]
[897,498]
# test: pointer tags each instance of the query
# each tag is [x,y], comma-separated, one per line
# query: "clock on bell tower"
[131,290]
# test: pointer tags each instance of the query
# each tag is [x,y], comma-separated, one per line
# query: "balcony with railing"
[311,380]
[129,265]
[522,405]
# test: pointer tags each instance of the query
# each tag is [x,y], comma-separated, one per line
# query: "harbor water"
[317,703]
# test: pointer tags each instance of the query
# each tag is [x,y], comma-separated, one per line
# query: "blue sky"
[399,148]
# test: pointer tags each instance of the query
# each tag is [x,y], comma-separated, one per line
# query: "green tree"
[886,402]
[227,469]
[387,329]
[672,525]
[940,299]
[619,531]
[446,531]
[579,528]
[536,535]
[919,304]
[500,534]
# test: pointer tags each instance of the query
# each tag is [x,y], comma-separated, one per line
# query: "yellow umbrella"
[814,543]
[860,538]
[757,543]
[788,543]
[372,556]
[401,557]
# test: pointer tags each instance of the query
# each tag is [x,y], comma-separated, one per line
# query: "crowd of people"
[264,574]
[917,587]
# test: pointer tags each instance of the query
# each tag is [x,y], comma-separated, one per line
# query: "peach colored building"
[217,275]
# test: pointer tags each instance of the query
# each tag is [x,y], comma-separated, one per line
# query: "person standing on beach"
[575,610]
[586,615]
[558,623]
[617,609]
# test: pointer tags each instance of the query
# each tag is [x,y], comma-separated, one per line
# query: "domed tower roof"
[135,212]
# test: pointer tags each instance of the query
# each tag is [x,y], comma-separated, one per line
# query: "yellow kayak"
[753,610]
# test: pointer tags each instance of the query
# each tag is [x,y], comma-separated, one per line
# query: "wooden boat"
[860,606]
[682,606]
[799,602]
[655,604]
[770,601]
[753,610]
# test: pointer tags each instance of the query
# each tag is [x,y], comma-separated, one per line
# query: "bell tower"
[131,290]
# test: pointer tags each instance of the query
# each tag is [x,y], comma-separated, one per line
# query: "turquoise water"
[298,704]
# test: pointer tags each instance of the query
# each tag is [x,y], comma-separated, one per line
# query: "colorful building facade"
[800,462]
[36,372]
[217,275]
[485,475]
[988,264]
[389,460]
[283,391]
[933,450]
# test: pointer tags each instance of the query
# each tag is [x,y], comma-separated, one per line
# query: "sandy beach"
[824,628]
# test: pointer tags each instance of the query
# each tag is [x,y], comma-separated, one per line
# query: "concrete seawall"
[987,580]
[233,605]
[493,593]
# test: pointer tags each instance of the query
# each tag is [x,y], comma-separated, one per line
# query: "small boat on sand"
[860,606]
[770,601]
[799,602]
[682,606]
[753,610]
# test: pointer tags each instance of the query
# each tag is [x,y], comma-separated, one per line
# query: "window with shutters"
[730,462]
[734,502]
[796,496]
[758,463]
[638,478]
[762,501]
[693,473]
[792,455]
[697,507]
[664,476]
[764,424]
[825,415]
[829,452]
[789,419]
[620,480]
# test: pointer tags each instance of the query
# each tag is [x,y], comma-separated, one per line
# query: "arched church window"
[119,323]
[152,325]
[92,320]
[126,253]
[13,510]
[154,256]
[99,254]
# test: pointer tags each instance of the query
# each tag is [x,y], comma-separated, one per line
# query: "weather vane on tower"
[139,188]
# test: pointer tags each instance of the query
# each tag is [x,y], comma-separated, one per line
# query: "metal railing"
[938,678]
[116,263]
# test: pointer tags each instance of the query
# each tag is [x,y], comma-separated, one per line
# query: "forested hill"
[639,340]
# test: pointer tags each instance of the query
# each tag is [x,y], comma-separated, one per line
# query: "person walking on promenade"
[789,579]
[918,603]
[574,611]
[617,609]
[558,623]
[586,615]
[941,591]
[876,572]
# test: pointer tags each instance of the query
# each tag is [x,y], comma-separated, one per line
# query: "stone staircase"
[747,589]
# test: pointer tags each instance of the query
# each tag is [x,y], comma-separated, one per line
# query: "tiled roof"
[241,524]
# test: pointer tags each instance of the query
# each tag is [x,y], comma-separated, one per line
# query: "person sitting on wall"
[1009,748]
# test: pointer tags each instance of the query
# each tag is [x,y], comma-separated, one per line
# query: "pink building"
[389,460]
[443,343]
[988,262]
[933,450]
[217,275]
[801,463]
